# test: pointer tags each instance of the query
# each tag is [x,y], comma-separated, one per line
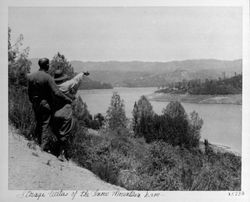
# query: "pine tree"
[175,110]
[135,118]
[116,117]
[60,62]
[195,125]
[178,124]
[143,117]
[144,107]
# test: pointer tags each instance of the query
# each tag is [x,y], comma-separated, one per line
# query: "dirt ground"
[32,169]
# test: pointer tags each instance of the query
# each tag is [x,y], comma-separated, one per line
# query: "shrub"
[106,171]
[128,179]
[81,113]
[159,170]
[99,118]
[159,156]
[20,112]
[215,178]
[167,180]
[94,124]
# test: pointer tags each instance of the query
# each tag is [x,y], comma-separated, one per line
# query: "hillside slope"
[29,168]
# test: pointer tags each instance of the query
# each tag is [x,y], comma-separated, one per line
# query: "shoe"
[61,157]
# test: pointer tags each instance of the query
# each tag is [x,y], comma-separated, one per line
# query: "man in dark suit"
[46,98]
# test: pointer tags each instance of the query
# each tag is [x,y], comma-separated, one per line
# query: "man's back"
[42,87]
[39,86]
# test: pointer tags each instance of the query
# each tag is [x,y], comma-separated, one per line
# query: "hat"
[59,76]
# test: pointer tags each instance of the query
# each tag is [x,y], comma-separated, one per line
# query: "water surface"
[222,122]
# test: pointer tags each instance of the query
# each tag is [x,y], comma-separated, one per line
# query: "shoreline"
[235,99]
[218,147]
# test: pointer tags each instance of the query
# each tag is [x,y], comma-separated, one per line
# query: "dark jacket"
[42,88]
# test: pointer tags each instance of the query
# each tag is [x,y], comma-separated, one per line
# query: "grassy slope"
[133,164]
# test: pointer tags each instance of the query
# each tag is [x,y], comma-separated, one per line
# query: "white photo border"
[8,195]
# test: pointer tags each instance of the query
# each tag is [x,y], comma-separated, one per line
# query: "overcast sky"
[125,34]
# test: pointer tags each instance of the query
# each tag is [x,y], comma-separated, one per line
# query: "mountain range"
[145,74]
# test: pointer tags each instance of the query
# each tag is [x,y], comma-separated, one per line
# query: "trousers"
[43,117]
[64,127]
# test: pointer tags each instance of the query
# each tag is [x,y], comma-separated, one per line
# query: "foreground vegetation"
[131,163]
[149,152]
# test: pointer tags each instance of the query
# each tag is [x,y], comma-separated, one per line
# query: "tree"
[181,130]
[20,110]
[175,110]
[195,125]
[60,62]
[116,117]
[135,114]
[178,124]
[143,118]
[11,53]
[18,63]
[144,107]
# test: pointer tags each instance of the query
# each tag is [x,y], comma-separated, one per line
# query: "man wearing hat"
[43,93]
[63,121]
[68,87]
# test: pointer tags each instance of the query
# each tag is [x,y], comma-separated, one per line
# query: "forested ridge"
[232,85]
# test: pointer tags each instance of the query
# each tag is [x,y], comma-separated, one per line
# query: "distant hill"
[139,66]
[221,86]
[88,83]
[142,74]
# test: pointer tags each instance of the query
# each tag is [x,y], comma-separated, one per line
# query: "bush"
[213,178]
[160,168]
[159,156]
[99,118]
[20,112]
[81,113]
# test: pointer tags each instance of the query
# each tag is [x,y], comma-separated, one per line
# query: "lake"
[222,122]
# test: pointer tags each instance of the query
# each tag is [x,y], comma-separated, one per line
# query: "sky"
[129,33]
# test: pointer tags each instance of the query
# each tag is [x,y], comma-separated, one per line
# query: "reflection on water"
[222,122]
